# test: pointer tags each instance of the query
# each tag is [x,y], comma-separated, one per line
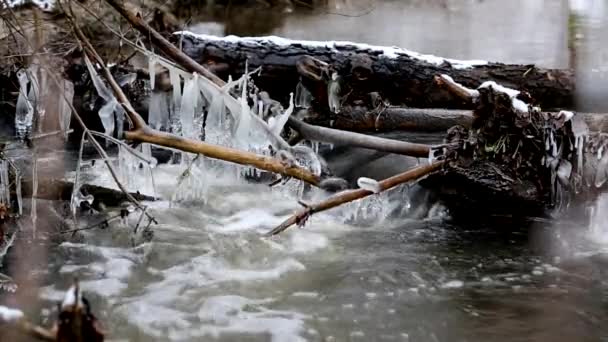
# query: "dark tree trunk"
[402,80]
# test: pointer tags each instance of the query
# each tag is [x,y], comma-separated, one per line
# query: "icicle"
[333,93]
[188,106]
[564,171]
[74,204]
[176,83]
[303,96]
[601,173]
[244,129]
[4,183]
[369,184]
[155,109]
[260,109]
[152,60]
[65,111]
[24,112]
[18,192]
[120,119]
[34,209]
[106,113]
[281,120]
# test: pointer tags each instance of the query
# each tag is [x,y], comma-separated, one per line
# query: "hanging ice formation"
[152,59]
[5,192]
[106,113]
[26,101]
[135,168]
[159,110]
[190,101]
[303,97]
[333,93]
[229,120]
[280,121]
[65,111]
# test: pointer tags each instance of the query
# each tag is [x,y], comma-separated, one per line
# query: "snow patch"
[517,104]
[388,52]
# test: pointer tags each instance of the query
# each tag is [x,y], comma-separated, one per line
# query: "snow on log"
[400,76]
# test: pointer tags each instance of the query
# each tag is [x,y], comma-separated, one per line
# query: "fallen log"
[402,77]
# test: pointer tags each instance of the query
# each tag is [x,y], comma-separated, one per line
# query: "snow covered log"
[399,76]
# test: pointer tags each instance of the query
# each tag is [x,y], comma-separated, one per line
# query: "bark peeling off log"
[402,79]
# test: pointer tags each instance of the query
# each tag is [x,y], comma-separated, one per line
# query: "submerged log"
[399,76]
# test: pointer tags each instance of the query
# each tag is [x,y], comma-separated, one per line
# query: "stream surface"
[365,271]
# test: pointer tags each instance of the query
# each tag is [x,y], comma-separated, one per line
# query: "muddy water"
[368,271]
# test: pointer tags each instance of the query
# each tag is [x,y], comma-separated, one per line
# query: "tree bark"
[403,80]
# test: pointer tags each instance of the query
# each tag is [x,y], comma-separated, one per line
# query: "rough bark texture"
[402,80]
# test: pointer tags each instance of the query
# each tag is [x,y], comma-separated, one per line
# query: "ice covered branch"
[143,133]
[302,215]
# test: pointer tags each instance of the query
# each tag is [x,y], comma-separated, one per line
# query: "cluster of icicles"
[199,109]
[37,96]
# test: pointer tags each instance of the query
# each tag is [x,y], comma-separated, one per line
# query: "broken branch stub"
[302,215]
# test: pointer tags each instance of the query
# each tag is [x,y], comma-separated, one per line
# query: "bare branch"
[301,216]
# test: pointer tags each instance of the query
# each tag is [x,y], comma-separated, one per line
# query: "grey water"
[368,271]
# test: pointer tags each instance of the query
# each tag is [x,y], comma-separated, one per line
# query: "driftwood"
[400,77]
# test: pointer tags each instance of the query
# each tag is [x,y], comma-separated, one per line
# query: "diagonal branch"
[136,20]
[143,133]
[302,215]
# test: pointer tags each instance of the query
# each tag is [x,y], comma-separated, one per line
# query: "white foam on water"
[452,284]
[236,314]
[9,315]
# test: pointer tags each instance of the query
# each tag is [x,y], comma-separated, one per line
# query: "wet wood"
[402,80]
[334,136]
[340,198]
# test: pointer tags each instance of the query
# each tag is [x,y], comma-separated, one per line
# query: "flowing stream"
[367,271]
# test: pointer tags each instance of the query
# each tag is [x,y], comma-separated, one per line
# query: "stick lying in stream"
[302,215]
